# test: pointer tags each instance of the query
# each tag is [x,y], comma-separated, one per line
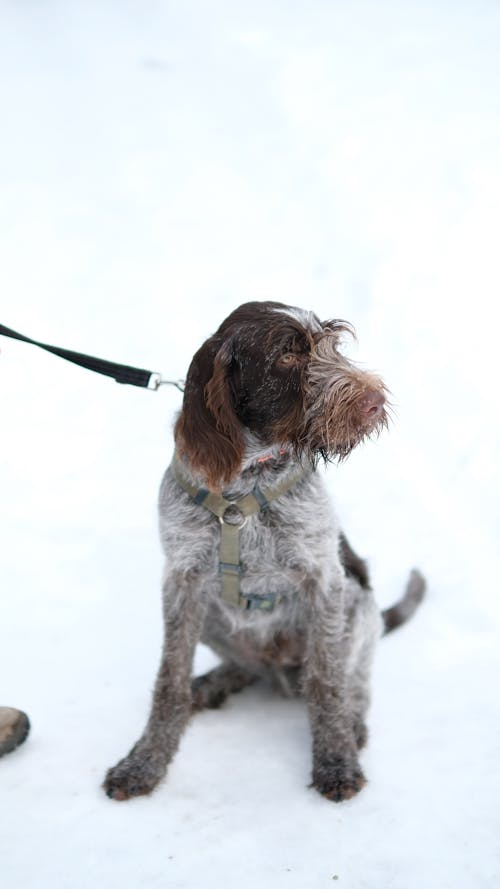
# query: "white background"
[162,162]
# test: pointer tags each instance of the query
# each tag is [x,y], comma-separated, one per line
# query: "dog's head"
[278,372]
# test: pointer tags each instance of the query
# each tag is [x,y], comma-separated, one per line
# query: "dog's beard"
[333,423]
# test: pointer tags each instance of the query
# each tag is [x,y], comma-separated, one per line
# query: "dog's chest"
[283,545]
[279,547]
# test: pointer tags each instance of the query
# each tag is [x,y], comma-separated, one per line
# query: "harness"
[233,515]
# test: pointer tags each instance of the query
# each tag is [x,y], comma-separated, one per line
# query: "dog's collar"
[233,515]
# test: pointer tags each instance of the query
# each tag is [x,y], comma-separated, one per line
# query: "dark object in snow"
[14,729]
[257,565]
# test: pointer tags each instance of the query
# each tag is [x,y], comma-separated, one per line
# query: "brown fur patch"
[207,431]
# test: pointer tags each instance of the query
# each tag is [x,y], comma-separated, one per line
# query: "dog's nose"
[371,405]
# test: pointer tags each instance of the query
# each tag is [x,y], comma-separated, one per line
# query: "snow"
[162,163]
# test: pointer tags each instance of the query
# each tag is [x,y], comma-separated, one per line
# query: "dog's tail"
[399,613]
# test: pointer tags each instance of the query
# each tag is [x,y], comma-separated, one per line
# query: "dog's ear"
[207,431]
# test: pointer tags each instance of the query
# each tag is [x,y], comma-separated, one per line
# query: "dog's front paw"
[133,776]
[338,777]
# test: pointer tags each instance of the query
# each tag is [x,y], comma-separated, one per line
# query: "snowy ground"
[161,163]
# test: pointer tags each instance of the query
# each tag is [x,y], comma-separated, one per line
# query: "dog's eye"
[289,359]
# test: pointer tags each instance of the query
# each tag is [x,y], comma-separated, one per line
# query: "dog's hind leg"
[359,693]
[360,698]
[213,688]
[364,630]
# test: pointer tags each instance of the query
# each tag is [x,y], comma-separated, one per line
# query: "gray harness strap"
[233,515]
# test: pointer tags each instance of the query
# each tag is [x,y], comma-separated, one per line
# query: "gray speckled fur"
[330,623]
[319,640]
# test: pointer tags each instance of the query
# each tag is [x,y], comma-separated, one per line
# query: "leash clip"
[156,380]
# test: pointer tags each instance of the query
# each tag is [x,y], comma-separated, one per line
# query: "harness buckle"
[229,568]
[232,511]
[266,602]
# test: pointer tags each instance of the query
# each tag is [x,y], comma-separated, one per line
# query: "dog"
[258,567]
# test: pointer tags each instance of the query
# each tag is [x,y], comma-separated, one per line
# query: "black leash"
[122,373]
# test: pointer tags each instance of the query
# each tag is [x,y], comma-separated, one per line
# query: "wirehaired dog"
[257,565]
